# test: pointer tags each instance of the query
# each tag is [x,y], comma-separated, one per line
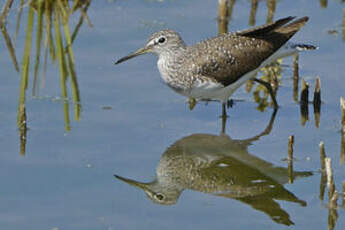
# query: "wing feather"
[227,57]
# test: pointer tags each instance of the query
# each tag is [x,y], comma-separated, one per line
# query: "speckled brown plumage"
[227,57]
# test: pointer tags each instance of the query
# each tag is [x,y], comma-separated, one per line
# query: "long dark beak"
[143,186]
[134,54]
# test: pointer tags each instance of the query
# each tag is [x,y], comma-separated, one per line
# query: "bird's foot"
[192,103]
[224,115]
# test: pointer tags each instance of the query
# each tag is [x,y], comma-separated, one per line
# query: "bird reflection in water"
[221,166]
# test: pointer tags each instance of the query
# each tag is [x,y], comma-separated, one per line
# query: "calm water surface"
[131,123]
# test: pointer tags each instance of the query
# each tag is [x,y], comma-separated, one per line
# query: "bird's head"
[162,42]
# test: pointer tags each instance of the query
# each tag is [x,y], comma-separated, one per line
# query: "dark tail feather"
[265,29]
[290,29]
[302,47]
[278,27]
[279,32]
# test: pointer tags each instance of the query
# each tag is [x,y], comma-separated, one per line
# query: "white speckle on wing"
[222,165]
[258,181]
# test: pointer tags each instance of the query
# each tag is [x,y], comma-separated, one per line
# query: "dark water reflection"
[221,166]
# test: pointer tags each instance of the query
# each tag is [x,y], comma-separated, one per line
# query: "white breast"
[162,67]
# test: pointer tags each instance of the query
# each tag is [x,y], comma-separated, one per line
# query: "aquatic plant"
[54,39]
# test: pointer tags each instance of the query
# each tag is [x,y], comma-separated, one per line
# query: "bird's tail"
[289,49]
[303,47]
[290,29]
[280,29]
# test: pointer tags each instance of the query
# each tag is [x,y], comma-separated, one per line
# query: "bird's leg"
[224,116]
[270,90]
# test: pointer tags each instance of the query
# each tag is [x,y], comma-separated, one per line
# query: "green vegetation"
[50,19]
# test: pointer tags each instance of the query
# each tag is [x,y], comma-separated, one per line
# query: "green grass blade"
[84,10]
[82,17]
[38,46]
[63,70]
[76,29]
[76,4]
[45,61]
[48,6]
[19,16]
[5,10]
[10,46]
[71,64]
[27,48]
[7,38]
[26,60]
[64,9]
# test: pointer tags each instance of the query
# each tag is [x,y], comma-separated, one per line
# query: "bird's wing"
[270,207]
[227,57]
[266,28]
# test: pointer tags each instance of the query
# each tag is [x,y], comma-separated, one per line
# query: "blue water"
[129,118]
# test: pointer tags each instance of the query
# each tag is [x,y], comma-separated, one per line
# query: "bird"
[221,166]
[214,68]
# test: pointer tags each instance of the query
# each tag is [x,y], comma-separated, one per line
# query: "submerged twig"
[22,128]
[332,210]
[304,102]
[334,199]
[271,6]
[290,147]
[295,77]
[330,180]
[342,148]
[304,92]
[343,195]
[231,8]
[332,218]
[290,158]
[253,9]
[342,108]
[317,101]
[343,26]
[317,93]
[222,16]
[323,171]
[322,156]
[323,3]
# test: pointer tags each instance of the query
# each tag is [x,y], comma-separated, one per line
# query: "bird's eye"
[159,196]
[161,39]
